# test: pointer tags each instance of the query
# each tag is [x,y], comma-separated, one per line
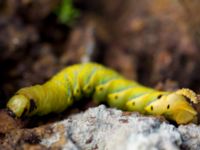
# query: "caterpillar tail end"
[194,100]
[191,95]
[189,112]
[177,106]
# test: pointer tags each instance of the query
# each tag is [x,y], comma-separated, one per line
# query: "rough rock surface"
[102,128]
[106,129]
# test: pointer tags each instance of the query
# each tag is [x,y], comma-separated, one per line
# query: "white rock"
[108,129]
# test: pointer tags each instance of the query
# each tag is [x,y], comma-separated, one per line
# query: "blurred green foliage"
[66,12]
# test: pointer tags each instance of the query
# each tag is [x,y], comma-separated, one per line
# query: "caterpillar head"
[19,105]
[24,102]
[175,106]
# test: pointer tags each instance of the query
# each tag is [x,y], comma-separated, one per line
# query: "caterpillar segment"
[103,85]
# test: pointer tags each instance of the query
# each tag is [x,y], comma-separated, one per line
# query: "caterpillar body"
[103,85]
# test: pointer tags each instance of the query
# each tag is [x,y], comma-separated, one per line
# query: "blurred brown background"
[153,41]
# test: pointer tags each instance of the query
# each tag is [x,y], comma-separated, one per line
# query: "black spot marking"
[151,108]
[101,89]
[159,96]
[168,106]
[24,112]
[32,105]
[88,87]
[116,97]
[133,103]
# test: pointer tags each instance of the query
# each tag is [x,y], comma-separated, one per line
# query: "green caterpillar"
[103,85]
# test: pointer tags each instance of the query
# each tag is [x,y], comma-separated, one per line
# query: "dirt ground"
[154,42]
